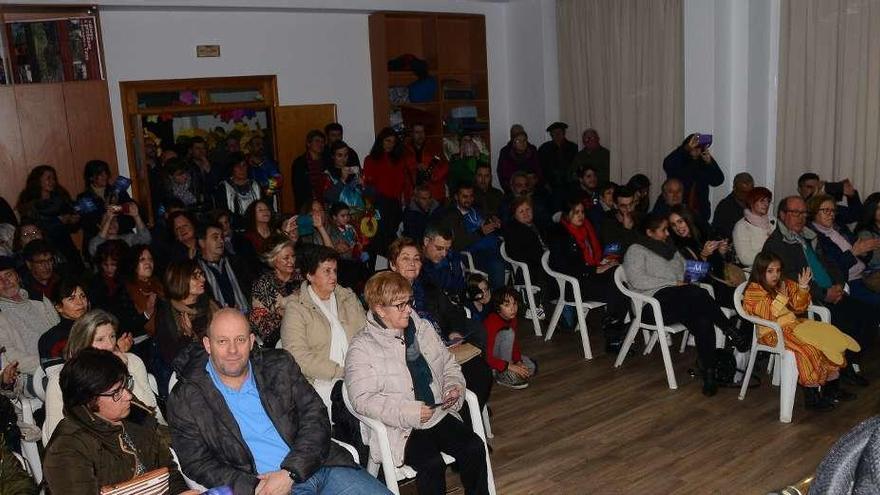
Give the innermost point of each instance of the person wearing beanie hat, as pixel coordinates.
(22, 320)
(555, 157)
(730, 209)
(751, 231)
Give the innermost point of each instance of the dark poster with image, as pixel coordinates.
(54, 50)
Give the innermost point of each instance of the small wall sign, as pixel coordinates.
(207, 51)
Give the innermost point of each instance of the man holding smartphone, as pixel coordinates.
(693, 164)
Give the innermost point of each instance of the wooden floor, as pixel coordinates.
(584, 427)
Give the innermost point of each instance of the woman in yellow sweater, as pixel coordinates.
(818, 347)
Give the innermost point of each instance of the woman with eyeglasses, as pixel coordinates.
(842, 248)
(108, 436)
(445, 314)
(399, 371)
(96, 329)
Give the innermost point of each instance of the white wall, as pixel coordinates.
(731, 52)
(533, 68)
(318, 49)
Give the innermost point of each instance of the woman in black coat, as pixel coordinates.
(575, 251)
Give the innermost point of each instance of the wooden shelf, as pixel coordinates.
(454, 47)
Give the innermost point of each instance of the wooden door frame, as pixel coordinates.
(129, 90)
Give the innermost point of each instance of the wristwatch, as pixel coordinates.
(292, 476)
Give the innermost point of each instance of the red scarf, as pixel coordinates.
(586, 239)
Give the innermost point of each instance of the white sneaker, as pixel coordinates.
(539, 311)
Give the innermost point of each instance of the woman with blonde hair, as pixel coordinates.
(96, 329)
(398, 371)
(270, 291)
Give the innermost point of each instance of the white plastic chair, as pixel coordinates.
(30, 450)
(393, 474)
(782, 362)
(662, 330)
(785, 375)
(192, 485)
(581, 307)
(720, 339)
(467, 264)
(527, 288)
(381, 263)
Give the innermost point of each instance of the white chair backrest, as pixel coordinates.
(507, 258)
(381, 263)
(39, 381)
(621, 282)
(172, 381)
(737, 304)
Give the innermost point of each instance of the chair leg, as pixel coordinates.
(627, 342)
(582, 327)
(745, 380)
(684, 341)
(530, 297)
(667, 359)
(486, 425)
(651, 343)
(777, 372)
(789, 386)
(554, 320)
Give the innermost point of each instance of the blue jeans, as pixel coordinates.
(340, 481)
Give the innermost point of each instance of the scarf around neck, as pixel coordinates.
(762, 221)
(416, 363)
(665, 250)
(586, 239)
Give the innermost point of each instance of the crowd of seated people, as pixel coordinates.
(255, 312)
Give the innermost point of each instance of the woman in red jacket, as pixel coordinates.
(510, 367)
(385, 177)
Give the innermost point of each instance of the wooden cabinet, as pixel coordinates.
(454, 47)
(60, 124)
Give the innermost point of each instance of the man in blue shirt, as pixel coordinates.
(250, 421)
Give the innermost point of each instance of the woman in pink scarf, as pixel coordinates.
(755, 227)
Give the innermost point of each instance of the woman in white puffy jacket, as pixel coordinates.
(398, 371)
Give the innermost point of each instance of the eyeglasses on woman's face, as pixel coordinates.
(116, 394)
(401, 306)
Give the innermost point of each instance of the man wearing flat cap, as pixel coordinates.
(555, 157)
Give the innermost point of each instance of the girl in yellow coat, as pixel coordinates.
(818, 347)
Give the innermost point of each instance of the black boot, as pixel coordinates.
(850, 376)
(741, 339)
(813, 400)
(832, 391)
(612, 328)
(710, 386)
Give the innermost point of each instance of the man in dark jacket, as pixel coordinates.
(251, 421)
(621, 223)
(556, 156)
(418, 213)
(730, 209)
(796, 245)
(594, 155)
(474, 233)
(697, 170)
